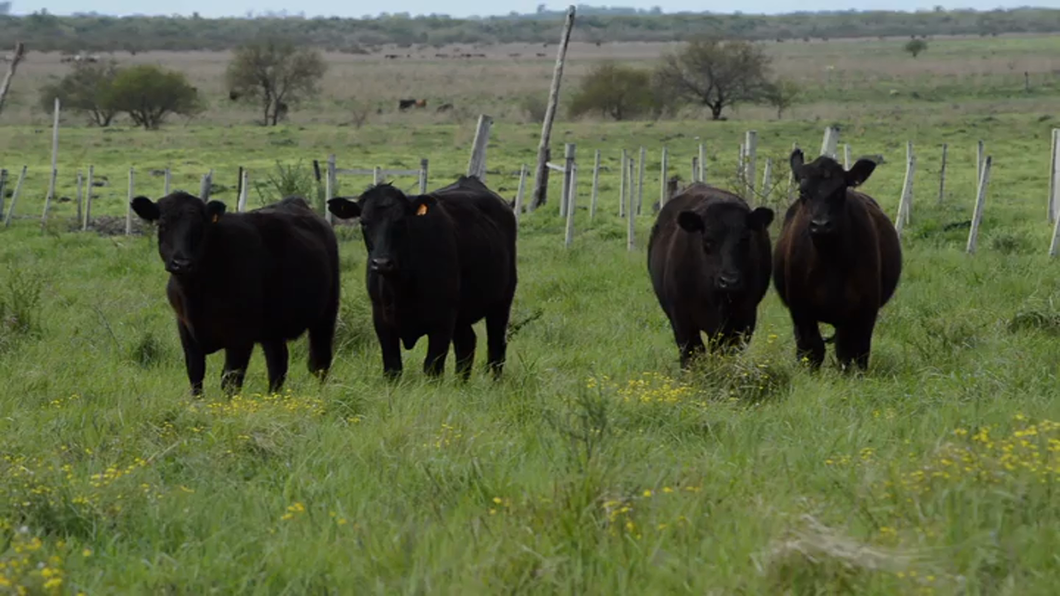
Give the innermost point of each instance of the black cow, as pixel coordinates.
(837, 259)
(709, 261)
(237, 279)
(437, 263)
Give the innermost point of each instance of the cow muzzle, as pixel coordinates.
(383, 266)
(729, 282)
(179, 266)
(821, 227)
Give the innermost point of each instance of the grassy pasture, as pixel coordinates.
(594, 466)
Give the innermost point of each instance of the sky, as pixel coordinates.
(464, 8)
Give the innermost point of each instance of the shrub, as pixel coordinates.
(615, 91)
(148, 94)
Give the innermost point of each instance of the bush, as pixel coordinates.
(616, 91)
(915, 46)
(148, 94)
(782, 94)
(87, 88)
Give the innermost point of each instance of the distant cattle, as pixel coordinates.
(837, 259)
(404, 104)
(437, 264)
(237, 279)
(709, 262)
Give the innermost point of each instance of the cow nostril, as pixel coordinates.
(382, 264)
(822, 226)
(728, 281)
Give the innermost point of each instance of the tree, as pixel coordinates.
(616, 91)
(782, 94)
(275, 74)
(86, 88)
(915, 46)
(717, 74)
(148, 94)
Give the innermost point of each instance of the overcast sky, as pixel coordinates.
(463, 8)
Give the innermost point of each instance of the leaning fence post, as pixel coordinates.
(1053, 168)
(14, 197)
(910, 158)
(88, 197)
(596, 185)
(980, 201)
(906, 199)
(128, 204)
(518, 208)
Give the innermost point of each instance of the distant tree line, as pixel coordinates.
(43, 31)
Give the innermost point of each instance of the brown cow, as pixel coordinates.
(837, 260)
(709, 262)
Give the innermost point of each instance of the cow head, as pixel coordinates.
(727, 232)
(385, 213)
(183, 221)
(823, 187)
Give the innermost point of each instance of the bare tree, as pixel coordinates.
(717, 74)
(275, 74)
(782, 94)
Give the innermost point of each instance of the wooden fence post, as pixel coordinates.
(702, 164)
(241, 206)
(942, 176)
(980, 202)
(663, 173)
(3, 185)
(330, 178)
(596, 185)
(631, 220)
(88, 197)
(570, 177)
(80, 195)
(846, 156)
(476, 166)
(750, 165)
(205, 185)
(640, 179)
(128, 204)
(622, 184)
(541, 172)
(424, 163)
(568, 169)
(905, 202)
(14, 197)
(830, 142)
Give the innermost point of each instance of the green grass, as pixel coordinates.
(594, 466)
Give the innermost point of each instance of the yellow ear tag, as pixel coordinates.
(422, 210)
(216, 217)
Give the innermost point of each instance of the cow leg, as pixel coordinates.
(437, 349)
(321, 337)
(853, 341)
(809, 344)
(194, 359)
(689, 342)
(464, 348)
(236, 361)
(390, 344)
(276, 362)
(497, 338)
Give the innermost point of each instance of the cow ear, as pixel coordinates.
(760, 218)
(797, 159)
(690, 221)
(343, 208)
(422, 204)
(145, 208)
(214, 210)
(860, 172)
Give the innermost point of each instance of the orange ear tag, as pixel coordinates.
(422, 210)
(216, 217)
